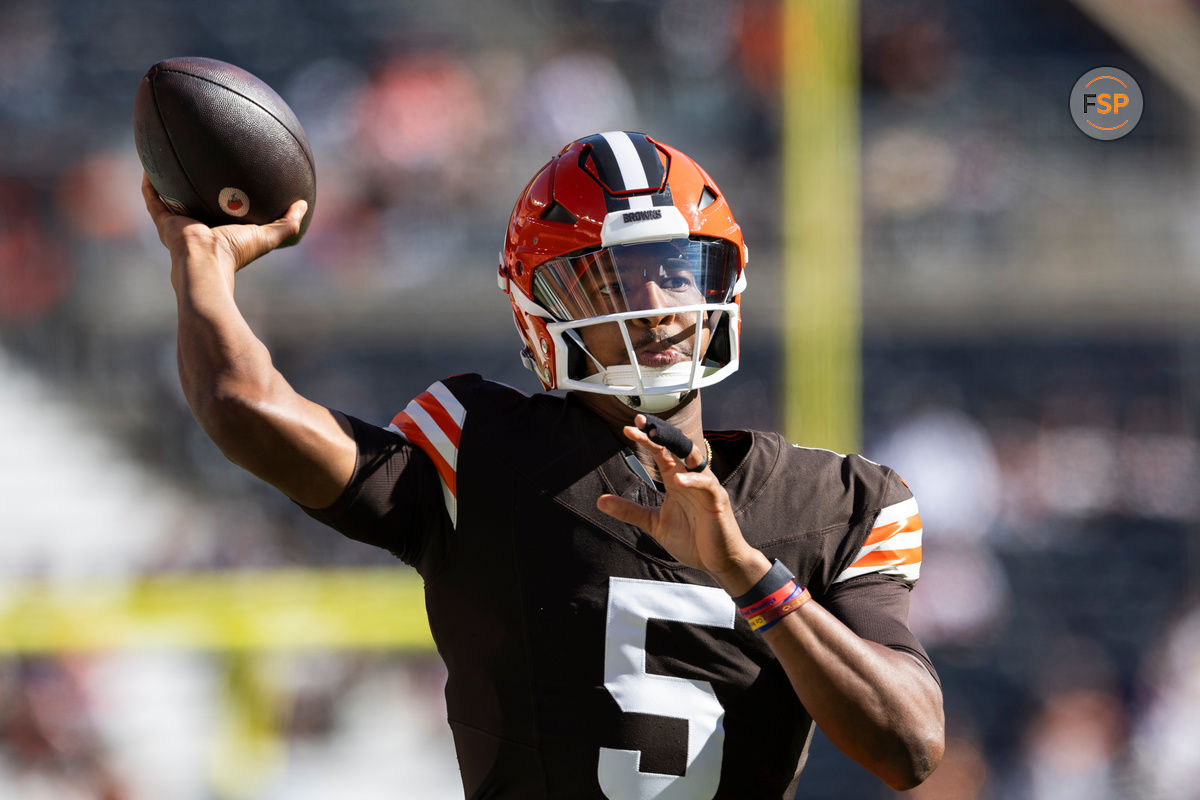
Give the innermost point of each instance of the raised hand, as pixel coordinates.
(234, 246)
(695, 523)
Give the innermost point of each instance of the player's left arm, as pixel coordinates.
(880, 706)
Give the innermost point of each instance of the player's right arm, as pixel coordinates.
(243, 403)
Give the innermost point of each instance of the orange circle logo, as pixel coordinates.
(1106, 103)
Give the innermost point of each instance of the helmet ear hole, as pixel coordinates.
(577, 360)
(720, 349)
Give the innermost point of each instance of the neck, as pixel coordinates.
(616, 415)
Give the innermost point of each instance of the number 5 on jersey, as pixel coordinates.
(631, 604)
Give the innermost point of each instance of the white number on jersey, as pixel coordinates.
(631, 604)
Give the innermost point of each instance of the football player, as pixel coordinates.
(628, 605)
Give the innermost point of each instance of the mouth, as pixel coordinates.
(660, 357)
(662, 348)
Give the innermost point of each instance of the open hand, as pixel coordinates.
(234, 246)
(695, 523)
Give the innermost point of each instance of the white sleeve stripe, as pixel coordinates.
(451, 502)
(895, 515)
(896, 512)
(908, 572)
(447, 496)
(433, 432)
(901, 541)
(448, 401)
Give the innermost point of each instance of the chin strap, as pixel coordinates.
(652, 403)
(651, 378)
(657, 403)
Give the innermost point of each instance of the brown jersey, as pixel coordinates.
(583, 660)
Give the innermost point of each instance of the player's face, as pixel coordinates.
(649, 281)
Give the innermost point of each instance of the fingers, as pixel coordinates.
(154, 203)
(626, 511)
(249, 242)
(666, 446)
(287, 225)
(696, 460)
(270, 236)
(168, 222)
(662, 432)
(148, 194)
(280, 229)
(295, 214)
(241, 244)
(667, 463)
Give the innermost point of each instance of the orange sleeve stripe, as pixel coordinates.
(414, 434)
(887, 531)
(442, 417)
(889, 558)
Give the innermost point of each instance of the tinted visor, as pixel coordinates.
(635, 277)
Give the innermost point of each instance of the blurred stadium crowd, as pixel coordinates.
(1031, 349)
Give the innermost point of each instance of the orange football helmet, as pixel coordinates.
(621, 229)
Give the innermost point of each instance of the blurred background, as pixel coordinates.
(1029, 351)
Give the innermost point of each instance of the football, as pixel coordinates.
(220, 145)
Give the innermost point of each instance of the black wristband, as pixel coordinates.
(775, 579)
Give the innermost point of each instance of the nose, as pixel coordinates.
(650, 296)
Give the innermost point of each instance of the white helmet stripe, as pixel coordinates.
(633, 174)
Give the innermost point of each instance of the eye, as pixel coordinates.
(677, 283)
(610, 289)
